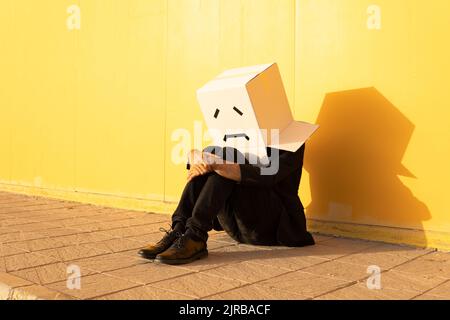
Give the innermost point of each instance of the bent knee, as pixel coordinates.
(216, 178)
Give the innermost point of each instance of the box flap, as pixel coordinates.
(253, 70)
(295, 135)
(233, 78)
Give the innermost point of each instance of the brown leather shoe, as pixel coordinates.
(184, 250)
(152, 250)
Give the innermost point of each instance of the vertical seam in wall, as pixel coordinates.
(10, 110)
(341, 14)
(219, 29)
(295, 60)
(243, 57)
(76, 106)
(165, 73)
(411, 57)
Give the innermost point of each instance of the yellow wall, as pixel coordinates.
(89, 114)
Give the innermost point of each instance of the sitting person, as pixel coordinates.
(251, 207)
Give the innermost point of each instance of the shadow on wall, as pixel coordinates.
(354, 161)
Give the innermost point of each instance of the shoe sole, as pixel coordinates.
(148, 257)
(197, 256)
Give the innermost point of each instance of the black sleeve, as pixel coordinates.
(289, 162)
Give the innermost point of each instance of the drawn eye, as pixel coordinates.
(238, 111)
(216, 114)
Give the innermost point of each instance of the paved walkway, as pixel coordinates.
(45, 244)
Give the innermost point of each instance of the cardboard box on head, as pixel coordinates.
(247, 109)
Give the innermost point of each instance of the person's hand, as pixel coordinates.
(196, 157)
(198, 170)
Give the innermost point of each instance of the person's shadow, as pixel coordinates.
(354, 162)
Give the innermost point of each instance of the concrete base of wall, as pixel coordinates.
(155, 204)
(417, 238)
(411, 237)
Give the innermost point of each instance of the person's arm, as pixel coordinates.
(246, 174)
(197, 170)
(201, 163)
(196, 165)
(224, 168)
(289, 162)
(230, 171)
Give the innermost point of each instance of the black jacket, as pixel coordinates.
(266, 208)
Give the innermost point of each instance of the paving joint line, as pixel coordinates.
(429, 290)
(384, 271)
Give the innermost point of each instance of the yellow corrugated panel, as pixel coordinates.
(43, 87)
(389, 109)
(206, 37)
(121, 98)
(6, 87)
(95, 110)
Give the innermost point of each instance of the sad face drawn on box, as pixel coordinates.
(247, 109)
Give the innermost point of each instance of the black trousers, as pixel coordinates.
(203, 199)
(248, 214)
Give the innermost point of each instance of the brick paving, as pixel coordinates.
(42, 240)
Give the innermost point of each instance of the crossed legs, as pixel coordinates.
(202, 200)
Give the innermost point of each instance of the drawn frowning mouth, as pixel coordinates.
(235, 136)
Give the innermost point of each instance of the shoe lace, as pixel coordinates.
(167, 232)
(179, 243)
